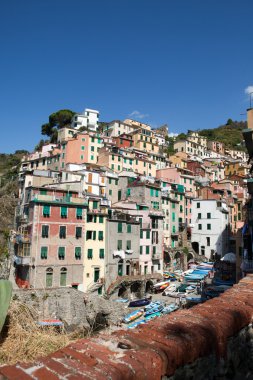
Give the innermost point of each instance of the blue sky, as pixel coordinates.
(186, 63)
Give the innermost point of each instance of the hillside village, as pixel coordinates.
(106, 204)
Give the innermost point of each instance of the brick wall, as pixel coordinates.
(208, 341)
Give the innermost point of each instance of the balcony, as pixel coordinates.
(60, 200)
(156, 256)
(97, 211)
(118, 253)
(105, 202)
(22, 260)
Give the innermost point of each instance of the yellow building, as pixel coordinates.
(95, 247)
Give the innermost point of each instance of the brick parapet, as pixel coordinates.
(153, 350)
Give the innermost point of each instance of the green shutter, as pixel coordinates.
(148, 234)
(63, 278)
(78, 253)
(119, 227)
(129, 228)
(100, 235)
(94, 235)
(43, 252)
(78, 232)
(79, 213)
(90, 253)
(46, 210)
(141, 234)
(147, 250)
(95, 205)
(64, 212)
(101, 253)
(61, 253)
(128, 245)
(101, 219)
(49, 279)
(119, 247)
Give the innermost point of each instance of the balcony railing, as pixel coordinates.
(55, 199)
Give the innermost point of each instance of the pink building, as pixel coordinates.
(49, 249)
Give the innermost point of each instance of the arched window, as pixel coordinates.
(49, 277)
(63, 277)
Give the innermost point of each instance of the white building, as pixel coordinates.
(89, 119)
(209, 227)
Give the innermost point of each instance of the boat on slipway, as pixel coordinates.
(133, 316)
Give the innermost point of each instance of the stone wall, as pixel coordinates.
(76, 309)
(209, 341)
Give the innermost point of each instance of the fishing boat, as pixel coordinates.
(136, 323)
(152, 316)
(155, 309)
(133, 316)
(50, 322)
(152, 305)
(195, 299)
(140, 302)
(170, 308)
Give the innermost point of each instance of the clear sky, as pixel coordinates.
(186, 63)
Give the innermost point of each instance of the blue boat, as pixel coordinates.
(152, 316)
(155, 309)
(140, 303)
(137, 323)
(170, 308)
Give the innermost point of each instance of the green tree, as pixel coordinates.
(57, 120)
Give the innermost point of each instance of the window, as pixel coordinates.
(173, 205)
(141, 234)
(208, 241)
(62, 232)
(90, 253)
(101, 219)
(100, 235)
(128, 244)
(78, 232)
(63, 277)
(113, 157)
(43, 253)
(92, 148)
(209, 226)
(43, 192)
(128, 192)
(119, 246)
(82, 147)
(64, 212)
(199, 226)
(101, 253)
(173, 217)
(78, 253)
(119, 227)
(181, 208)
(120, 269)
(46, 211)
(157, 193)
(199, 215)
(79, 213)
(154, 250)
(110, 192)
(141, 250)
(198, 204)
(88, 235)
(94, 235)
(95, 205)
(44, 232)
(61, 253)
(49, 277)
(208, 215)
(147, 234)
(151, 192)
(147, 250)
